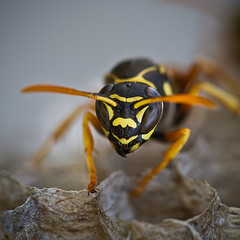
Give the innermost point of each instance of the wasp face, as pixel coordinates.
(126, 127)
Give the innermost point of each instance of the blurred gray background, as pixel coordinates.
(74, 43)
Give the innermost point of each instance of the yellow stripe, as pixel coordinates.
(146, 70)
(123, 99)
(148, 135)
(105, 132)
(162, 69)
(167, 88)
(123, 122)
(105, 99)
(110, 111)
(125, 141)
(138, 78)
(139, 115)
(135, 147)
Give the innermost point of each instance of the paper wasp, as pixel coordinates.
(135, 104)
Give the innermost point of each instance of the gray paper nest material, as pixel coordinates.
(52, 213)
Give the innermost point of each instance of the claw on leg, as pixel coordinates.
(89, 147)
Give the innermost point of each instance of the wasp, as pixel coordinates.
(141, 99)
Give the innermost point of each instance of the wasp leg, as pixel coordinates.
(188, 82)
(58, 132)
(179, 137)
(208, 68)
(231, 102)
(89, 147)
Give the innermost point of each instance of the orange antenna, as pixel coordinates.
(179, 98)
(70, 91)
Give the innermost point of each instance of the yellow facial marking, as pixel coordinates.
(123, 99)
(167, 88)
(148, 135)
(135, 147)
(105, 99)
(139, 116)
(124, 122)
(125, 141)
(110, 111)
(105, 132)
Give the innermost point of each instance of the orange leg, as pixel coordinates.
(179, 137)
(89, 147)
(188, 82)
(228, 100)
(208, 68)
(58, 133)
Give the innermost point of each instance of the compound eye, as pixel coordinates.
(101, 109)
(102, 115)
(106, 89)
(151, 117)
(151, 92)
(153, 113)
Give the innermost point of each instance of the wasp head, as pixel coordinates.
(128, 127)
